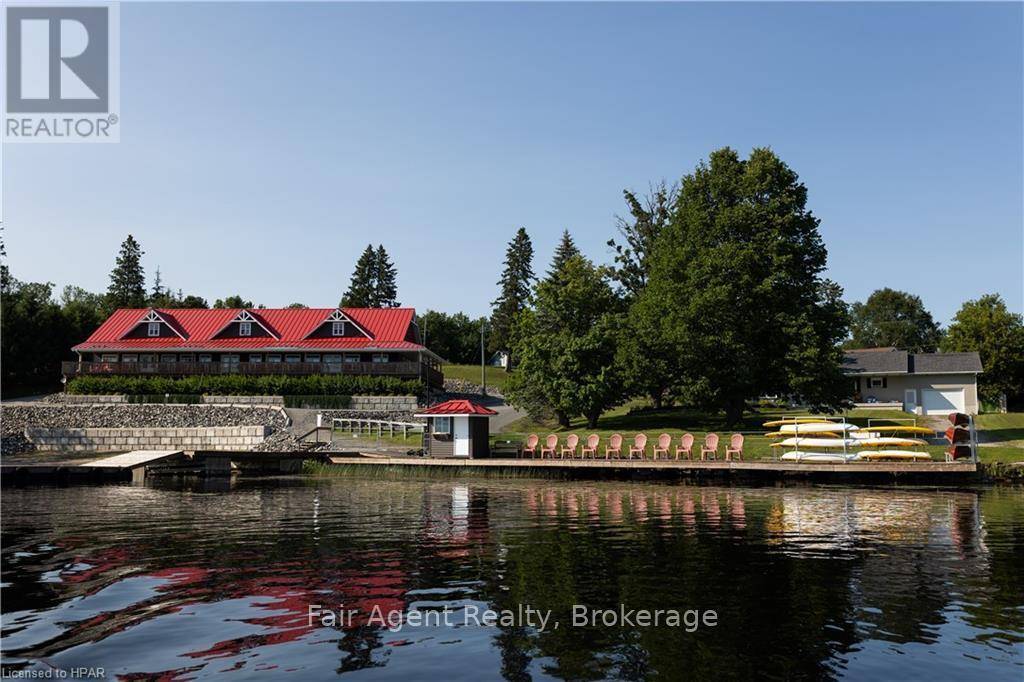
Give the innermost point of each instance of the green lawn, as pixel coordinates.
(496, 376)
(676, 421)
(1004, 429)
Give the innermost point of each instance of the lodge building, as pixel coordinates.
(188, 341)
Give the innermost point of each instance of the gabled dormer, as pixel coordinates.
(338, 325)
(244, 325)
(154, 325)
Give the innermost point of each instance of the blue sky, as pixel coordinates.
(263, 146)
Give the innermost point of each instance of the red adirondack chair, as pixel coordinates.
(639, 446)
(735, 447)
(685, 446)
(664, 441)
(710, 447)
(614, 446)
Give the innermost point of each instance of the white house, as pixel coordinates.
(924, 383)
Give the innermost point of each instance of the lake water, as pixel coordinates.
(188, 581)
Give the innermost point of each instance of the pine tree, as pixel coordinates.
(516, 282)
(360, 292)
(385, 284)
(127, 280)
(565, 250)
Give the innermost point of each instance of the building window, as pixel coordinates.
(108, 357)
(168, 357)
(380, 357)
(338, 328)
(876, 382)
(255, 358)
(147, 358)
(443, 425)
(332, 359)
(153, 329)
(205, 357)
(129, 357)
(245, 328)
(229, 359)
(293, 358)
(273, 358)
(185, 357)
(313, 357)
(353, 358)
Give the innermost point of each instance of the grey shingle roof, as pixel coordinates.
(893, 361)
(934, 363)
(876, 361)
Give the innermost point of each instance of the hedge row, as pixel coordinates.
(238, 384)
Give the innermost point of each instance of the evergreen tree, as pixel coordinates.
(385, 284)
(565, 250)
(516, 282)
(360, 292)
(566, 346)
(127, 280)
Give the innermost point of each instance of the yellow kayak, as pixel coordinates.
(897, 429)
(783, 434)
(798, 420)
(848, 442)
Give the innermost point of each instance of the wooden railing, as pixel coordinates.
(411, 370)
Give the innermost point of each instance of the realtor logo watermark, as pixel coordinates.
(62, 73)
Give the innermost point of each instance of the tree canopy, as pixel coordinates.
(648, 217)
(894, 318)
(987, 326)
(234, 301)
(735, 292)
(456, 338)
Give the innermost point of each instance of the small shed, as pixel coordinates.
(457, 428)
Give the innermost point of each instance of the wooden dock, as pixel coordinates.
(683, 468)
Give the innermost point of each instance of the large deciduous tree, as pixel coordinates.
(127, 280)
(736, 294)
(234, 301)
(456, 338)
(648, 217)
(566, 345)
(516, 284)
(987, 326)
(894, 318)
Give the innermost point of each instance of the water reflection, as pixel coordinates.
(190, 580)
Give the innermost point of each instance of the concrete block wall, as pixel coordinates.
(72, 399)
(109, 440)
(384, 403)
(243, 400)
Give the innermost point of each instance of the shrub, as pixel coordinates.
(238, 384)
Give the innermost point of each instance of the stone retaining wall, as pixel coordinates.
(109, 440)
(384, 403)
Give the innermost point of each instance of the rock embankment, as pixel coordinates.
(15, 418)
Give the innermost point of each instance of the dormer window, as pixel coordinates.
(153, 329)
(245, 328)
(338, 328)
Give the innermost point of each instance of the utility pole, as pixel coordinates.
(483, 365)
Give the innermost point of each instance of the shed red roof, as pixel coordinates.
(457, 407)
(388, 329)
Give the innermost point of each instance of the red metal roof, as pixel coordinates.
(388, 329)
(457, 407)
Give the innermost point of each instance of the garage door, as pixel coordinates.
(942, 402)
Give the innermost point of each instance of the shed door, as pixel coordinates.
(942, 401)
(461, 436)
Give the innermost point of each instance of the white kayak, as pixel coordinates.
(875, 455)
(848, 442)
(830, 457)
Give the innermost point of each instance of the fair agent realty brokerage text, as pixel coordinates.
(524, 615)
